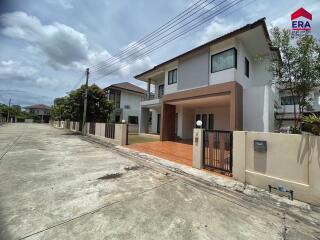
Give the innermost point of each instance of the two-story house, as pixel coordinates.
(224, 82)
(126, 98)
(41, 111)
(285, 110)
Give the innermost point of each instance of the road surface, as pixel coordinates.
(55, 185)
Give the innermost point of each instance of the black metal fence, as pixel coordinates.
(217, 150)
(92, 128)
(109, 130)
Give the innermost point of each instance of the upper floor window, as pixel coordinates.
(224, 60)
(172, 76)
(160, 91)
(115, 96)
(246, 67)
(289, 100)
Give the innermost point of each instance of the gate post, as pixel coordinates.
(197, 160)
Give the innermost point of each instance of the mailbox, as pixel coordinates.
(260, 146)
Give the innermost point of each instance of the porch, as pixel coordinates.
(175, 151)
(219, 107)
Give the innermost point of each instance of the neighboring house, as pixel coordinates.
(41, 111)
(127, 98)
(285, 110)
(224, 82)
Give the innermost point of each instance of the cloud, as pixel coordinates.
(217, 28)
(66, 48)
(14, 71)
(66, 4)
(122, 66)
(62, 45)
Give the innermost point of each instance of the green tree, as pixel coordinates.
(298, 69)
(71, 106)
(58, 111)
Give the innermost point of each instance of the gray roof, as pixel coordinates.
(128, 86)
(38, 106)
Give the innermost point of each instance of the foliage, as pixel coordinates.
(313, 122)
(14, 111)
(71, 106)
(298, 70)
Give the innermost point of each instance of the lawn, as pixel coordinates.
(136, 138)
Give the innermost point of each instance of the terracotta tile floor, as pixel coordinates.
(179, 152)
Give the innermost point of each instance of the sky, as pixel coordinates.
(46, 45)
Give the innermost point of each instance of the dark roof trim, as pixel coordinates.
(120, 88)
(128, 87)
(260, 22)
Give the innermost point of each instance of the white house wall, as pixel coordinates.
(187, 123)
(221, 116)
(133, 100)
(194, 71)
(240, 76)
(258, 109)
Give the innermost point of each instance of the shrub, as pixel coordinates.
(313, 122)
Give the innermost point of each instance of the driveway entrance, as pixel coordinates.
(175, 151)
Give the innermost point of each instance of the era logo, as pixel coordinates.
(301, 22)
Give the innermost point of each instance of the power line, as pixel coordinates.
(194, 26)
(139, 42)
(79, 81)
(178, 28)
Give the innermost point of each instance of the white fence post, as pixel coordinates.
(121, 134)
(197, 160)
(239, 156)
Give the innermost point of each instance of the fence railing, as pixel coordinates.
(109, 130)
(112, 132)
(217, 150)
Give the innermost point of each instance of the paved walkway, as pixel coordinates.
(179, 152)
(54, 185)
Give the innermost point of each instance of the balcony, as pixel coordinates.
(151, 102)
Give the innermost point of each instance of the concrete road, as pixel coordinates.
(54, 185)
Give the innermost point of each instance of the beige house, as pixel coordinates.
(40, 110)
(224, 82)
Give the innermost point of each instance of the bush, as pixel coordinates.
(313, 123)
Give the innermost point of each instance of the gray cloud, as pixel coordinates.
(62, 45)
(66, 4)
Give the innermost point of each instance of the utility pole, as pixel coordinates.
(84, 130)
(8, 115)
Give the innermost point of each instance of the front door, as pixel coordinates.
(158, 122)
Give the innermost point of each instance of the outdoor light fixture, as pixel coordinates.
(199, 123)
(123, 121)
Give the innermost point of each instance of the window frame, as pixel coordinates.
(235, 62)
(176, 80)
(285, 102)
(246, 67)
(136, 119)
(160, 90)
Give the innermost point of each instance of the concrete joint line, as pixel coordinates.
(97, 210)
(284, 226)
(11, 146)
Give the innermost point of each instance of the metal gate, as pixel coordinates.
(217, 150)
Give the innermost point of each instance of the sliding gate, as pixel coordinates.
(217, 150)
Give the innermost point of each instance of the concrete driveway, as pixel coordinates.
(54, 185)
